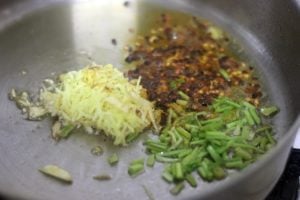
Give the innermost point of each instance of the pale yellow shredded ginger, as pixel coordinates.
(100, 97)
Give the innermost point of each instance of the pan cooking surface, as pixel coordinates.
(53, 39)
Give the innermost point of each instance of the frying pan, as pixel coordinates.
(40, 39)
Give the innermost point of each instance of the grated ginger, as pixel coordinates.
(100, 97)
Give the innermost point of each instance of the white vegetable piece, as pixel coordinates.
(57, 172)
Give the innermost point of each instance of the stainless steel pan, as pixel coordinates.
(39, 39)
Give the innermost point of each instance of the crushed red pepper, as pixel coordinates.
(188, 58)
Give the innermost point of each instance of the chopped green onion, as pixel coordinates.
(191, 180)
(249, 117)
(219, 172)
(198, 142)
(264, 128)
(183, 133)
(66, 131)
(243, 154)
(184, 153)
(209, 121)
(177, 188)
(113, 159)
(205, 173)
(213, 154)
(178, 171)
(137, 161)
(234, 123)
(269, 111)
(135, 169)
(224, 74)
(182, 102)
(270, 138)
(216, 135)
(167, 176)
(229, 135)
(131, 137)
(248, 105)
(173, 153)
(232, 103)
(237, 164)
(156, 146)
(163, 159)
(183, 95)
(151, 160)
(254, 116)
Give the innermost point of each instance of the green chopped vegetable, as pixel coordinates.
(218, 172)
(230, 134)
(178, 171)
(182, 102)
(135, 169)
(66, 131)
(237, 164)
(224, 74)
(254, 116)
(113, 159)
(213, 154)
(151, 160)
(131, 137)
(167, 176)
(191, 180)
(183, 95)
(177, 189)
(138, 161)
(163, 159)
(243, 154)
(183, 133)
(269, 111)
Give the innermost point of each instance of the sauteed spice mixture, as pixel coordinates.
(190, 58)
(210, 100)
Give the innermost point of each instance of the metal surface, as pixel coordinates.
(46, 37)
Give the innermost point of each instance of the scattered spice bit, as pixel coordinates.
(102, 177)
(97, 150)
(126, 3)
(57, 172)
(114, 41)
